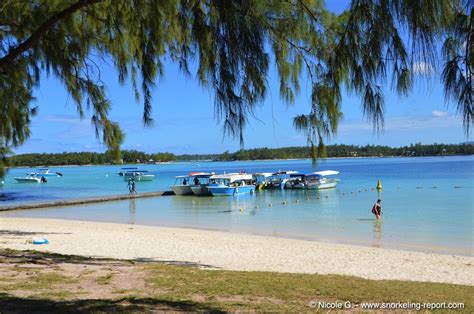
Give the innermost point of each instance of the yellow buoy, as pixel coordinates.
(241, 209)
(379, 185)
(284, 202)
(270, 205)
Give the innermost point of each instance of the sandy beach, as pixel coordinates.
(221, 250)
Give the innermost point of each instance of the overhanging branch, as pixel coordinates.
(14, 53)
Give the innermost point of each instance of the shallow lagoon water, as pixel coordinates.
(427, 202)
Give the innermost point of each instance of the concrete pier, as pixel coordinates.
(84, 201)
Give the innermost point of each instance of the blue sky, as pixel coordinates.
(184, 120)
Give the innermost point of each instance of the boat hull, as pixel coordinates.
(200, 190)
(322, 186)
(52, 174)
(27, 180)
(146, 177)
(182, 189)
(229, 191)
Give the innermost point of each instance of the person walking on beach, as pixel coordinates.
(377, 209)
(131, 186)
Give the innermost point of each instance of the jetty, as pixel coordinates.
(100, 199)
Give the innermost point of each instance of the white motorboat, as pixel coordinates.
(44, 172)
(319, 181)
(138, 176)
(29, 179)
(126, 169)
(278, 179)
(184, 185)
(313, 181)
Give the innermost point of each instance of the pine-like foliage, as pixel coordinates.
(227, 46)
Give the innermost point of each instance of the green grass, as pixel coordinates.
(184, 288)
(38, 282)
(291, 292)
(104, 280)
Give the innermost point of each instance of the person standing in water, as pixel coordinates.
(377, 209)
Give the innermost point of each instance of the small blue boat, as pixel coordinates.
(231, 184)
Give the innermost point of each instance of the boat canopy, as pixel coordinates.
(232, 176)
(129, 168)
(290, 172)
(297, 174)
(200, 174)
(327, 173)
(196, 174)
(263, 174)
(181, 177)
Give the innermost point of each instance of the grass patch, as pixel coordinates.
(160, 287)
(291, 292)
(39, 282)
(104, 280)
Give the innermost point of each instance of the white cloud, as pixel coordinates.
(438, 120)
(439, 113)
(422, 68)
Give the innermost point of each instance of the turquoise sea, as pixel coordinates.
(427, 202)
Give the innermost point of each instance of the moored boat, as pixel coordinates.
(44, 172)
(231, 184)
(139, 177)
(319, 181)
(262, 179)
(313, 181)
(126, 169)
(29, 179)
(184, 185)
(296, 181)
(279, 179)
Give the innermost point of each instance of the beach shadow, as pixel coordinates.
(35, 257)
(175, 263)
(25, 233)
(45, 258)
(13, 304)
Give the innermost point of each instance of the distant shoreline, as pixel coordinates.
(212, 161)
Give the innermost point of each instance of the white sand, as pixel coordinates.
(233, 251)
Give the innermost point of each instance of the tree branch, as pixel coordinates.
(9, 59)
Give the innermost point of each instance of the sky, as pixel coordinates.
(185, 123)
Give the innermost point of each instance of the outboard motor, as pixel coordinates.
(59, 174)
(43, 180)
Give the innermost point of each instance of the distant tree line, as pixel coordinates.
(87, 158)
(338, 151)
(133, 156)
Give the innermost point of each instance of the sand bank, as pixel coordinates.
(232, 251)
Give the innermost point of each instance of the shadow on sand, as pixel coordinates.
(35, 257)
(12, 304)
